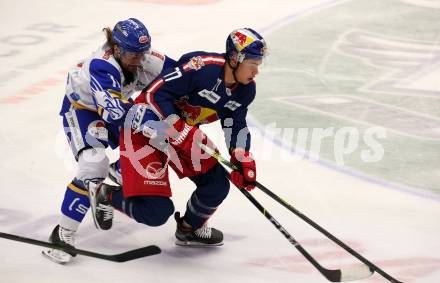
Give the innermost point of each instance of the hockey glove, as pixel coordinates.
(142, 120)
(244, 177)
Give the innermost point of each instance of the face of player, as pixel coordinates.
(247, 70)
(130, 61)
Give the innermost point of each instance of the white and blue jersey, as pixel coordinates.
(98, 95)
(196, 91)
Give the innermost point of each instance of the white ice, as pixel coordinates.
(396, 229)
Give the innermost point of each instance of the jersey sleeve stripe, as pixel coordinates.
(186, 68)
(79, 106)
(207, 60)
(218, 60)
(96, 86)
(149, 97)
(77, 190)
(117, 95)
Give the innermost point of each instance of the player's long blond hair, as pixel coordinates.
(108, 35)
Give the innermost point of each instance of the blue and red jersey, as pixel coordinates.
(195, 90)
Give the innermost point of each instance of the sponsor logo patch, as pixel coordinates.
(98, 130)
(155, 183)
(155, 171)
(158, 55)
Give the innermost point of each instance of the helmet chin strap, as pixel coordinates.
(233, 69)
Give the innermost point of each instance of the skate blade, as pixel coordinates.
(196, 244)
(57, 256)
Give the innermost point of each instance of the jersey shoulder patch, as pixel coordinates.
(195, 63)
(198, 62)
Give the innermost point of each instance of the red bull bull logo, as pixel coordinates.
(196, 114)
(196, 63)
(241, 40)
(189, 111)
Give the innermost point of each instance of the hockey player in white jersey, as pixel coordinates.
(95, 106)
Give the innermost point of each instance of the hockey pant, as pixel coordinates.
(146, 187)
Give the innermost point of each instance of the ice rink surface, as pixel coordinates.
(326, 59)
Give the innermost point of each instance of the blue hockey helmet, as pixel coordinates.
(246, 43)
(131, 35)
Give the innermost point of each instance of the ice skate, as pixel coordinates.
(100, 202)
(201, 237)
(64, 238)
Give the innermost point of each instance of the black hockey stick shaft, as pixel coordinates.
(122, 257)
(371, 265)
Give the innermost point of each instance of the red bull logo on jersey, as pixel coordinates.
(196, 114)
(196, 63)
(241, 40)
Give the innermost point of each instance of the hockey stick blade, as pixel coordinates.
(138, 253)
(333, 275)
(346, 275)
(122, 257)
(356, 273)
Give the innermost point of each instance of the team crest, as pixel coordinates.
(241, 40)
(143, 39)
(196, 63)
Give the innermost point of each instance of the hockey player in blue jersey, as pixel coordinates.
(96, 104)
(203, 88)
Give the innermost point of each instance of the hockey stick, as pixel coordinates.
(354, 274)
(122, 257)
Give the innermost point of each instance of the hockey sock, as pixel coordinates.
(76, 201)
